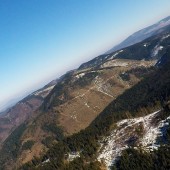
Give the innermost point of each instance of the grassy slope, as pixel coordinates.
(149, 93)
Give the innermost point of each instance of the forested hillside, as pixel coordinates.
(150, 94)
(85, 106)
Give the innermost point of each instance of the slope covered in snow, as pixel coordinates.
(44, 92)
(142, 131)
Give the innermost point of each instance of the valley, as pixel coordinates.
(84, 103)
(89, 117)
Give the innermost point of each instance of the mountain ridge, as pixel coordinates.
(142, 34)
(89, 89)
(86, 142)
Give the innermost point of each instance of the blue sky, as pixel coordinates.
(42, 39)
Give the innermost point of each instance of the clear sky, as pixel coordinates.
(42, 39)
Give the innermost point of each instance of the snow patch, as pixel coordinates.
(80, 75)
(128, 129)
(156, 50)
(145, 45)
(86, 104)
(73, 155)
(46, 161)
(115, 54)
(149, 139)
(114, 63)
(47, 90)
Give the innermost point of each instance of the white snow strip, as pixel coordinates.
(46, 161)
(156, 50)
(45, 90)
(115, 54)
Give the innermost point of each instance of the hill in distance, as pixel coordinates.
(66, 122)
(143, 34)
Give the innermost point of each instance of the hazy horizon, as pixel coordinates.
(41, 41)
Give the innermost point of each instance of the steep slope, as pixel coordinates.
(143, 34)
(149, 49)
(77, 100)
(164, 59)
(81, 95)
(149, 95)
(17, 114)
(144, 132)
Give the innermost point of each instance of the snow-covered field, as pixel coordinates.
(115, 63)
(142, 129)
(44, 92)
